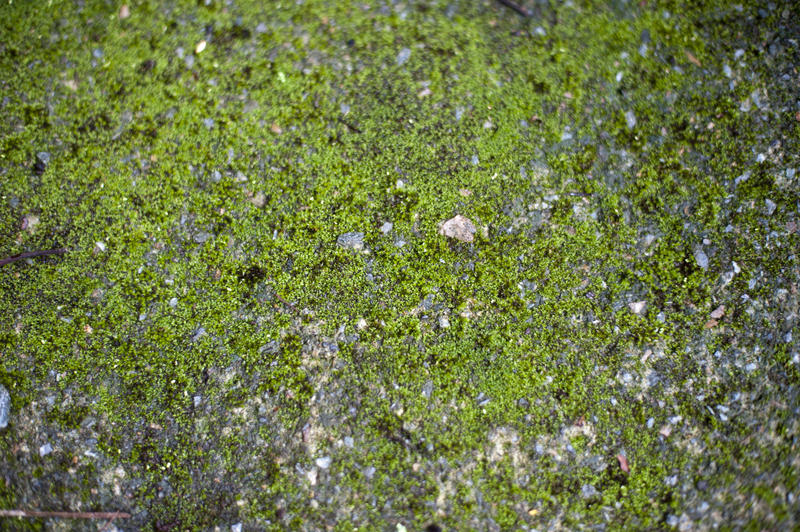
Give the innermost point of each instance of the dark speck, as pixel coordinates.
(146, 66)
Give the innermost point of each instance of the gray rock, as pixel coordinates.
(588, 491)
(324, 462)
(5, 406)
(701, 258)
(386, 227)
(403, 56)
(353, 240)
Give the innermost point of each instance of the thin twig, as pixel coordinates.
(30, 254)
(68, 515)
(516, 7)
(288, 305)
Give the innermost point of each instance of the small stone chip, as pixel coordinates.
(45, 449)
(701, 258)
(259, 199)
(459, 227)
(5, 406)
(718, 312)
(29, 222)
(637, 307)
(353, 240)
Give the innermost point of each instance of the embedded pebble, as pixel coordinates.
(403, 56)
(637, 307)
(45, 449)
(5, 406)
(630, 119)
(701, 258)
(29, 221)
(386, 227)
(459, 227)
(353, 240)
(588, 491)
(324, 462)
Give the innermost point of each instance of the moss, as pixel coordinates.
(238, 221)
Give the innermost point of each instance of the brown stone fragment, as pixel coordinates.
(459, 227)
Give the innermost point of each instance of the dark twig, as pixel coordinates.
(516, 7)
(30, 254)
(286, 303)
(68, 515)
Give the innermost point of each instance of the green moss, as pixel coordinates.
(537, 305)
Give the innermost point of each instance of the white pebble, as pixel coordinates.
(637, 307)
